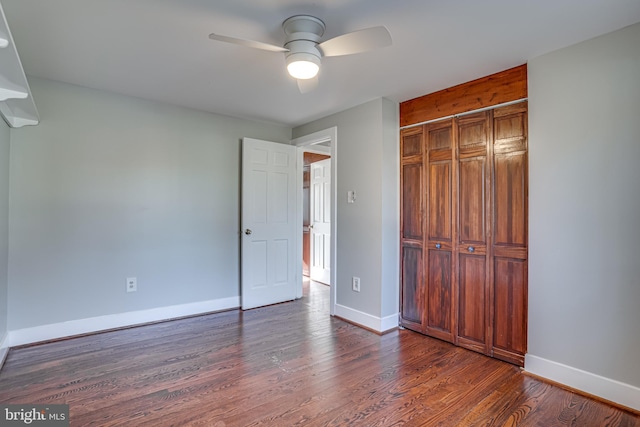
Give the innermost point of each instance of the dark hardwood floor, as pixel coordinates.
(285, 365)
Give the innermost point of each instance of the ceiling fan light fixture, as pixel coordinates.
(303, 65)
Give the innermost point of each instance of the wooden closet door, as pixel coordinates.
(412, 298)
(510, 233)
(440, 309)
(464, 231)
(473, 222)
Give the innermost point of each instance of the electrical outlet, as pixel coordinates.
(132, 284)
(355, 284)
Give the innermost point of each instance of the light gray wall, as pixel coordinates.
(366, 134)
(4, 224)
(584, 267)
(390, 170)
(108, 187)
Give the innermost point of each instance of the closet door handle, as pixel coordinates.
(438, 245)
(471, 249)
(247, 231)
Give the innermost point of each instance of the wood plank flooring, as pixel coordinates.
(285, 365)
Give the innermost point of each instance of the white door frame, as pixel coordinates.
(309, 143)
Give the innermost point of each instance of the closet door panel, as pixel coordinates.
(510, 128)
(440, 201)
(440, 136)
(440, 186)
(412, 144)
(412, 203)
(509, 285)
(510, 199)
(472, 208)
(413, 289)
(472, 301)
(413, 302)
(439, 313)
(439, 318)
(474, 135)
(510, 303)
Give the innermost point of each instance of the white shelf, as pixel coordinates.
(16, 103)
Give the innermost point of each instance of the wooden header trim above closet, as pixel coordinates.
(505, 86)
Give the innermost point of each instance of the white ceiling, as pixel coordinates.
(160, 50)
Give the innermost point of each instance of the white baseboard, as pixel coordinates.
(101, 323)
(606, 388)
(390, 322)
(368, 321)
(4, 341)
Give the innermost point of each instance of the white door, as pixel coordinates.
(320, 221)
(268, 223)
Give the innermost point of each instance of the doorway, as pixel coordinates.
(316, 220)
(322, 143)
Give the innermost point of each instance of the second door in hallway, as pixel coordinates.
(320, 221)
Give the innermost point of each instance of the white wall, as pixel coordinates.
(4, 224)
(584, 198)
(367, 231)
(108, 187)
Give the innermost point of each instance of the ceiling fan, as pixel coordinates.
(303, 49)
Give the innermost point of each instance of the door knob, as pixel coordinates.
(310, 225)
(471, 249)
(247, 231)
(438, 245)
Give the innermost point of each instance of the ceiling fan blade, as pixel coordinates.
(248, 43)
(307, 85)
(356, 42)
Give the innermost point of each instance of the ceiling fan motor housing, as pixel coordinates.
(303, 33)
(303, 24)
